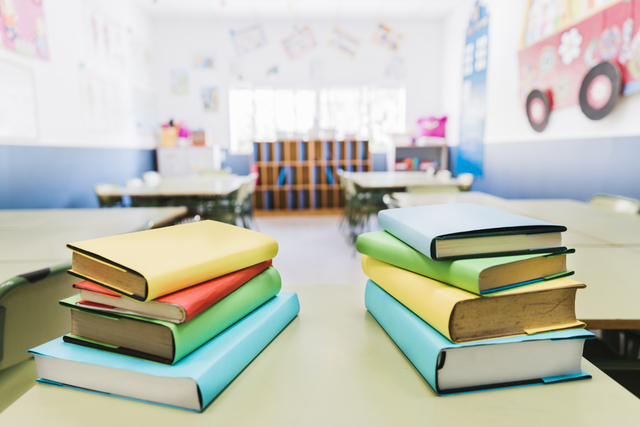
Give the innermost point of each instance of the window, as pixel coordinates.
(268, 114)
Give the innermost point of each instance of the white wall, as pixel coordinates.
(177, 41)
(506, 120)
(60, 82)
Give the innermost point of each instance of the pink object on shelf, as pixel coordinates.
(431, 126)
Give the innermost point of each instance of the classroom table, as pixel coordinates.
(206, 185)
(205, 196)
(33, 264)
(335, 366)
(391, 180)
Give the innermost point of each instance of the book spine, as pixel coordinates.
(419, 342)
(244, 341)
(192, 334)
(384, 247)
(265, 152)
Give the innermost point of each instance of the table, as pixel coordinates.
(217, 185)
(606, 258)
(35, 240)
(335, 366)
(207, 196)
(396, 180)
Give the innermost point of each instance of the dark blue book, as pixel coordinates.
(329, 175)
(282, 175)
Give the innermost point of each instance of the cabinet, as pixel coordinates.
(436, 156)
(183, 161)
(302, 175)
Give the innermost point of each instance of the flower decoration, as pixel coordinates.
(570, 46)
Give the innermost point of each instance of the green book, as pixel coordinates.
(478, 275)
(162, 341)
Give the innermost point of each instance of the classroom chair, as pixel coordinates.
(29, 316)
(615, 203)
(105, 199)
(244, 202)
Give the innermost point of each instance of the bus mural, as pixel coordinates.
(584, 52)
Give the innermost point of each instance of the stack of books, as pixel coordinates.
(169, 316)
(476, 298)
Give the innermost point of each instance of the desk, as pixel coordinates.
(218, 185)
(335, 366)
(34, 240)
(608, 227)
(209, 197)
(398, 180)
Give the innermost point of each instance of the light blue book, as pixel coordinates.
(190, 384)
(478, 365)
(464, 230)
(282, 175)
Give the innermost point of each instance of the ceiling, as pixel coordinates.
(300, 9)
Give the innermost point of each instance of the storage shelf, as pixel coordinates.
(303, 175)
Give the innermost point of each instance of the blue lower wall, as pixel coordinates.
(61, 177)
(574, 169)
(64, 177)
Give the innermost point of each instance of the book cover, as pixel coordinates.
(467, 274)
(186, 337)
(282, 175)
(178, 307)
(430, 352)
(462, 316)
(190, 384)
(172, 258)
(429, 229)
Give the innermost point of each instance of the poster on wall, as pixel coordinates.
(384, 36)
(344, 42)
(248, 39)
(18, 120)
(22, 28)
(144, 109)
(204, 61)
(103, 38)
(474, 71)
(179, 82)
(299, 42)
(209, 98)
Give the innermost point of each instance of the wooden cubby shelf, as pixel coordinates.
(303, 175)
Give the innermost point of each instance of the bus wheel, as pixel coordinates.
(538, 109)
(600, 90)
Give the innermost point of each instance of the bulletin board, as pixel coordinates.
(18, 117)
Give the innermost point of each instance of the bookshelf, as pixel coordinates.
(434, 155)
(302, 175)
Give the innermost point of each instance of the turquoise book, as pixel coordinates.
(480, 276)
(190, 384)
(464, 230)
(478, 365)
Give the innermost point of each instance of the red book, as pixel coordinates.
(177, 307)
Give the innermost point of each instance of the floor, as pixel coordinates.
(313, 250)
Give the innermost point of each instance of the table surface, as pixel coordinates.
(217, 185)
(334, 365)
(36, 238)
(605, 259)
(394, 179)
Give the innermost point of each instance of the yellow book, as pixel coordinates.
(149, 264)
(462, 316)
